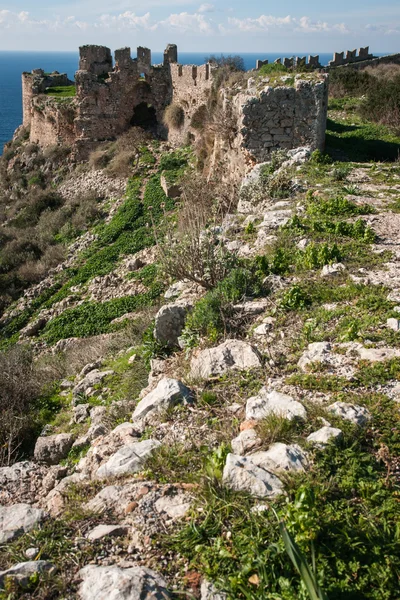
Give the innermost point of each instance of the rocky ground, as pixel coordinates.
(183, 433)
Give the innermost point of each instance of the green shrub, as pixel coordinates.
(173, 160)
(295, 298)
(336, 206)
(199, 118)
(62, 91)
(271, 69)
(212, 315)
(91, 318)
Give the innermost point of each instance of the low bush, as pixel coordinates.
(379, 89)
(271, 69)
(214, 315)
(199, 118)
(25, 403)
(174, 116)
(192, 249)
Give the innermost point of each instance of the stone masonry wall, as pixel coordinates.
(271, 118)
(36, 83)
(110, 98)
(191, 86)
(51, 122)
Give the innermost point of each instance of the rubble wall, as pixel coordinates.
(282, 117)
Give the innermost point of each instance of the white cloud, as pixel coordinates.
(126, 20)
(306, 25)
(195, 23)
(393, 29)
(205, 8)
(261, 23)
(269, 22)
(185, 22)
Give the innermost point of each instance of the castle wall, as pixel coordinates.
(254, 120)
(191, 86)
(52, 122)
(373, 62)
(35, 83)
(282, 117)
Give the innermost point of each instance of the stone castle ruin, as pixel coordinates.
(111, 98)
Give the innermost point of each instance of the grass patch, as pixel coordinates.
(61, 91)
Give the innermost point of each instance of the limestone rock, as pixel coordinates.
(358, 415)
(21, 572)
(18, 519)
(98, 414)
(317, 352)
(128, 459)
(323, 436)
(231, 354)
(266, 403)
(31, 553)
(377, 354)
(136, 583)
(242, 475)
(175, 507)
(169, 323)
(53, 448)
(332, 270)
(393, 324)
(208, 591)
(281, 457)
(92, 378)
(168, 393)
(81, 413)
(102, 531)
(246, 440)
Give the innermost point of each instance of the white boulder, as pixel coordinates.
(358, 415)
(230, 355)
(168, 393)
(266, 403)
(128, 459)
(114, 583)
(323, 436)
(18, 519)
(242, 475)
(281, 457)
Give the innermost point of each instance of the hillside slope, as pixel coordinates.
(200, 391)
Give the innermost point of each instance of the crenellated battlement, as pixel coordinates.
(294, 61)
(116, 93)
(350, 56)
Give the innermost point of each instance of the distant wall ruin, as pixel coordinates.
(111, 98)
(357, 59)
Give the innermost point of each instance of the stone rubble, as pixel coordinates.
(18, 519)
(136, 583)
(242, 475)
(230, 355)
(273, 402)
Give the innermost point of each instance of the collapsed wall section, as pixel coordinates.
(282, 116)
(191, 87)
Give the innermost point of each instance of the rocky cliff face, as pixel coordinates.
(188, 371)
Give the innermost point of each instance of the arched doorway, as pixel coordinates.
(144, 116)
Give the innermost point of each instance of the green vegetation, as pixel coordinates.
(61, 91)
(364, 114)
(271, 69)
(340, 516)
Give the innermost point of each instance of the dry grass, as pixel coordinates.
(174, 116)
(192, 249)
(120, 158)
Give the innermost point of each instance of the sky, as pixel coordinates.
(221, 26)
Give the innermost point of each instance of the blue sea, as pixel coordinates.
(12, 64)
